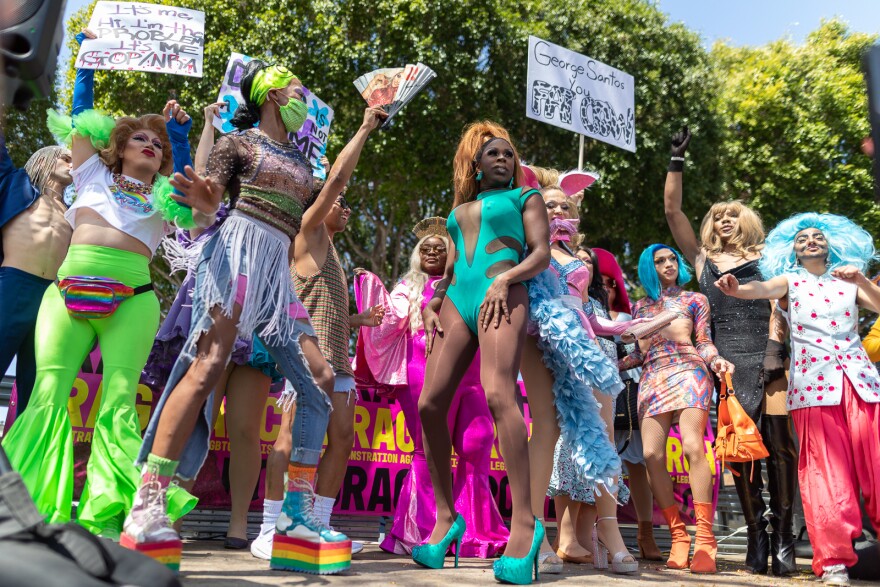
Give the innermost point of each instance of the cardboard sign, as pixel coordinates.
(580, 94)
(311, 139)
(134, 36)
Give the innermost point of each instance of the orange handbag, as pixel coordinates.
(738, 439)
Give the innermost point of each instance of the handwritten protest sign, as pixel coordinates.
(134, 36)
(311, 139)
(580, 94)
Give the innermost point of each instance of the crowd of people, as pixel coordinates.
(505, 288)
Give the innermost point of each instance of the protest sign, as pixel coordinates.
(311, 139)
(580, 94)
(134, 36)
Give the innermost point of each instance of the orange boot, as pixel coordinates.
(705, 547)
(681, 541)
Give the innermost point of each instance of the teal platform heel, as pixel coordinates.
(518, 571)
(432, 556)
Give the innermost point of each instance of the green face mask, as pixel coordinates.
(293, 114)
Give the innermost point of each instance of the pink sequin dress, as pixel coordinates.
(392, 356)
(675, 375)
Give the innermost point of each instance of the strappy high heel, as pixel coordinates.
(600, 555)
(433, 556)
(518, 571)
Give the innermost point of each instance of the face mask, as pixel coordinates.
(562, 229)
(293, 114)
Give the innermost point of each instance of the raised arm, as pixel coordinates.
(81, 147)
(868, 295)
(681, 228)
(177, 124)
(343, 167)
(206, 139)
(772, 289)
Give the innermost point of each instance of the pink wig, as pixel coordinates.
(609, 268)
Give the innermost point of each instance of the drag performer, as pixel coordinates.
(35, 240)
(393, 355)
(121, 212)
(676, 385)
(245, 383)
(242, 288)
(484, 305)
(814, 264)
(568, 489)
(731, 239)
(321, 284)
(629, 442)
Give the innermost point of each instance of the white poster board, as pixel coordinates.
(311, 139)
(580, 94)
(135, 36)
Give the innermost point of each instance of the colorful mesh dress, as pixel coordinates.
(675, 375)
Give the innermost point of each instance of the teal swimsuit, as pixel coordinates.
(495, 243)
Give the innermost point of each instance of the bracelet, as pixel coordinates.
(677, 158)
(676, 164)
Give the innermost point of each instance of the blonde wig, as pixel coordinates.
(748, 238)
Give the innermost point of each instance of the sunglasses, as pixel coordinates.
(437, 250)
(342, 203)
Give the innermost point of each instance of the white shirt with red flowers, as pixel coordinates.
(825, 344)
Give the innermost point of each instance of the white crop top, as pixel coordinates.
(131, 213)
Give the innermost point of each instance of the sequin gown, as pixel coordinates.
(740, 329)
(675, 375)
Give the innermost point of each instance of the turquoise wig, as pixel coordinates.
(648, 273)
(848, 243)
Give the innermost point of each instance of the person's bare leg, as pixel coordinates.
(452, 354)
(606, 504)
(643, 502)
(500, 355)
(693, 425)
(188, 484)
(545, 428)
(276, 462)
(655, 431)
(184, 404)
(567, 517)
(246, 392)
(340, 439)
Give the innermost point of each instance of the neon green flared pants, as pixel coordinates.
(40, 443)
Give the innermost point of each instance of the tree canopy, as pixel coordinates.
(778, 126)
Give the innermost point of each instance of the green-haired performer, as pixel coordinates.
(121, 212)
(242, 288)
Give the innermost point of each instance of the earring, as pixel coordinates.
(479, 175)
(510, 185)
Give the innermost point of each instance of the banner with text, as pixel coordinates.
(379, 461)
(144, 37)
(580, 94)
(311, 139)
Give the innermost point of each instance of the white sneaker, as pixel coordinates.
(356, 546)
(148, 519)
(261, 546)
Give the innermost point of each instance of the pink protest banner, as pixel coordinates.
(379, 460)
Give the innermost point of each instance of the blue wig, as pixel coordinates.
(648, 273)
(848, 243)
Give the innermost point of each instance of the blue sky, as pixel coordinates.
(756, 22)
(745, 22)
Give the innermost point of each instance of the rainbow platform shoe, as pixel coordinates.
(165, 553)
(302, 543)
(306, 556)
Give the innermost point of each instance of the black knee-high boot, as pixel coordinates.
(749, 486)
(782, 482)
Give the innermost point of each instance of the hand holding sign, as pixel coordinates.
(134, 36)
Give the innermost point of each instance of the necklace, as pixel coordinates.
(128, 185)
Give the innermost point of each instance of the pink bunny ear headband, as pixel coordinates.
(571, 182)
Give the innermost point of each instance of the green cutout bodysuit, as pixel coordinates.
(490, 233)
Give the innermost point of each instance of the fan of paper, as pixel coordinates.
(392, 88)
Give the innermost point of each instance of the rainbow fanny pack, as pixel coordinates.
(96, 297)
